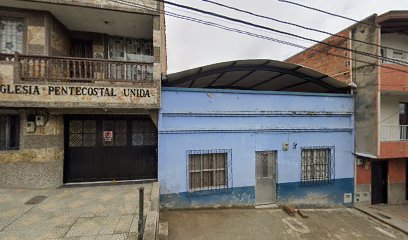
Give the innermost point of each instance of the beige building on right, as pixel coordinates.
(381, 99)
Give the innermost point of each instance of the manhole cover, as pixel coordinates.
(383, 216)
(35, 200)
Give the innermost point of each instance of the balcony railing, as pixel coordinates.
(394, 132)
(44, 68)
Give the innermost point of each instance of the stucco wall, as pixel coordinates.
(246, 123)
(365, 75)
(394, 40)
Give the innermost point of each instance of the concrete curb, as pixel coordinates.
(151, 228)
(380, 219)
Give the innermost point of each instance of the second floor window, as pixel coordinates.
(11, 35)
(130, 49)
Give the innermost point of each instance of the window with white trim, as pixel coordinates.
(317, 165)
(9, 132)
(209, 170)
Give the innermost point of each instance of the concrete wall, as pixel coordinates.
(246, 122)
(394, 40)
(397, 181)
(39, 161)
(365, 75)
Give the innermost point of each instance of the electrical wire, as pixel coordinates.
(329, 13)
(298, 25)
(248, 33)
(375, 56)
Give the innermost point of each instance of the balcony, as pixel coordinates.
(49, 69)
(394, 141)
(390, 132)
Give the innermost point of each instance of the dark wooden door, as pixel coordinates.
(106, 148)
(379, 182)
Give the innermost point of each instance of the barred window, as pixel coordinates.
(11, 35)
(9, 132)
(317, 165)
(209, 170)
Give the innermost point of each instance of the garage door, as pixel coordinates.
(105, 148)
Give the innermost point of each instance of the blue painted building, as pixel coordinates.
(219, 146)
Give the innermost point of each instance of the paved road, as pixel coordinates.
(340, 224)
(95, 213)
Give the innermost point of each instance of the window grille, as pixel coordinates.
(317, 165)
(11, 35)
(143, 133)
(209, 170)
(9, 132)
(82, 133)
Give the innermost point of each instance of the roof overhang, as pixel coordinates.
(393, 21)
(258, 75)
(88, 19)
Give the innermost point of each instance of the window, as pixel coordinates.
(209, 170)
(82, 133)
(131, 49)
(144, 133)
(9, 132)
(11, 35)
(317, 165)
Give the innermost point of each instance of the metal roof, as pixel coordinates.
(256, 74)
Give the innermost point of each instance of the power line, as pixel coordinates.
(298, 25)
(248, 33)
(282, 32)
(236, 24)
(328, 13)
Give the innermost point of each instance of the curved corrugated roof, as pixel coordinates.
(257, 74)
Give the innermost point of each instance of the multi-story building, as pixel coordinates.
(377, 67)
(79, 90)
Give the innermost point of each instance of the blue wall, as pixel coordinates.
(246, 122)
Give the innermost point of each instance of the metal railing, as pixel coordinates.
(393, 132)
(45, 68)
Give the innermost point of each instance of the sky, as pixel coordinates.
(191, 45)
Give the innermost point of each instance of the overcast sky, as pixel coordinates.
(192, 45)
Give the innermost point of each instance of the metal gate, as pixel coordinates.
(105, 148)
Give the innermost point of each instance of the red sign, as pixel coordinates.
(107, 136)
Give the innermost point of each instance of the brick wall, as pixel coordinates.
(326, 59)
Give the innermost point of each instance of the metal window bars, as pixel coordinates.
(209, 171)
(317, 165)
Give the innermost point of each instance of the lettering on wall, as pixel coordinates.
(73, 91)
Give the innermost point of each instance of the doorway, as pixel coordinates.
(379, 182)
(109, 147)
(265, 172)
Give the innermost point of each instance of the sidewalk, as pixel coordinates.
(97, 212)
(394, 215)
